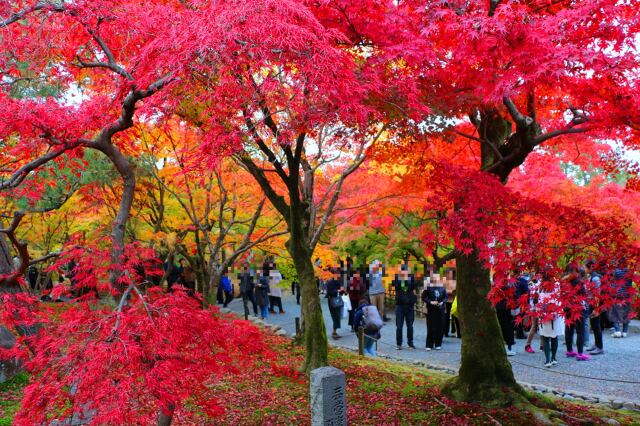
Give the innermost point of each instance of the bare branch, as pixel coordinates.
(45, 258)
(520, 120)
(358, 160)
(19, 175)
(495, 150)
(42, 5)
(94, 64)
(277, 200)
(568, 130)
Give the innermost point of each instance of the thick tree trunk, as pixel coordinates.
(165, 419)
(314, 331)
(485, 374)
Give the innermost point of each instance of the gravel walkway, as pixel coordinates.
(614, 376)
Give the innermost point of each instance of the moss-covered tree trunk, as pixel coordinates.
(314, 330)
(485, 373)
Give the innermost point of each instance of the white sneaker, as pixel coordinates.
(428, 349)
(511, 353)
(438, 348)
(616, 334)
(624, 334)
(548, 365)
(554, 362)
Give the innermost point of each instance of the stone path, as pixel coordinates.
(611, 378)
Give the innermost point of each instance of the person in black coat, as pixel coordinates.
(295, 290)
(261, 292)
(247, 287)
(405, 305)
(334, 291)
(434, 297)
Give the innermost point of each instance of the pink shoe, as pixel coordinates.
(529, 349)
(583, 357)
(571, 354)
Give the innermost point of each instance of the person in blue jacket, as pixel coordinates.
(227, 288)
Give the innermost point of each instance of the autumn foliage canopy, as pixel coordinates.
(498, 128)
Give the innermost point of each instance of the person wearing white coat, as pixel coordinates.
(551, 320)
(275, 297)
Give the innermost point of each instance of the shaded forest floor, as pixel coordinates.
(379, 392)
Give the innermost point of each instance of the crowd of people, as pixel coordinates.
(361, 293)
(574, 306)
(260, 288)
(582, 314)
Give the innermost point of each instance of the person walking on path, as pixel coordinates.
(506, 320)
(405, 305)
(295, 290)
(522, 289)
(434, 297)
(455, 322)
(619, 312)
(576, 289)
(355, 289)
(549, 312)
(227, 288)
(595, 284)
(368, 317)
(262, 293)
(533, 317)
(334, 290)
(247, 287)
(275, 277)
(450, 287)
(376, 287)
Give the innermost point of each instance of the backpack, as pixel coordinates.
(371, 321)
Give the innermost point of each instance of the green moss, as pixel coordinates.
(10, 395)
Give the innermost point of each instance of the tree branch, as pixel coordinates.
(568, 130)
(19, 175)
(42, 5)
(520, 120)
(277, 200)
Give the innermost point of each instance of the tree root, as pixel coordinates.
(543, 409)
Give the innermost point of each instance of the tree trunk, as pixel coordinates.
(127, 173)
(213, 284)
(165, 419)
(314, 331)
(6, 262)
(485, 373)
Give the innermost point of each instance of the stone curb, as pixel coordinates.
(602, 400)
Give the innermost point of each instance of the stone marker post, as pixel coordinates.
(328, 397)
